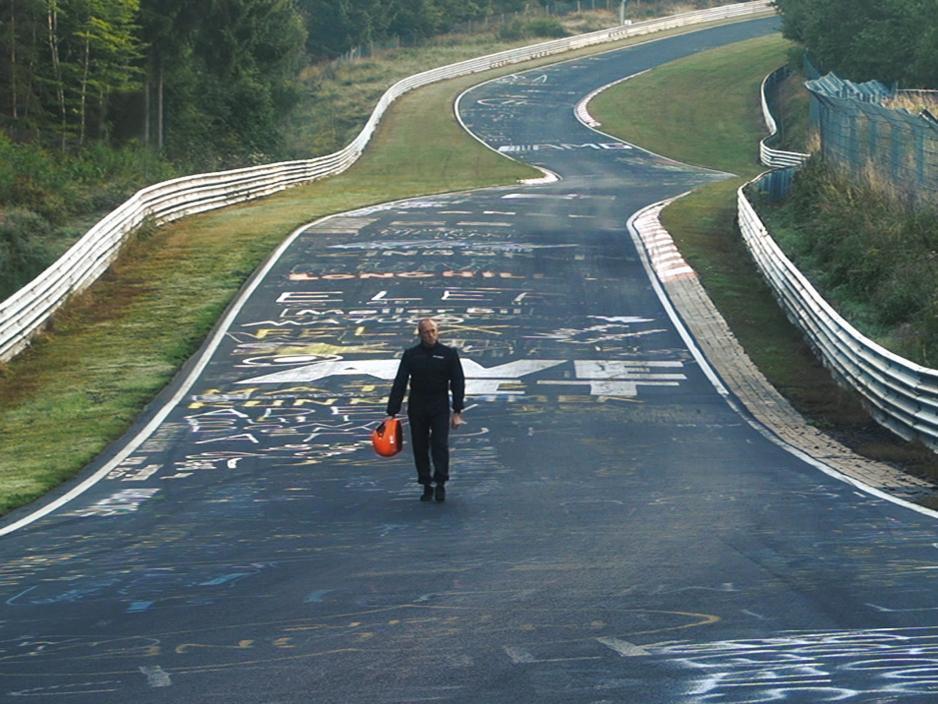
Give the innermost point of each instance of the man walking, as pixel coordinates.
(433, 370)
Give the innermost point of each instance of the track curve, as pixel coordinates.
(614, 530)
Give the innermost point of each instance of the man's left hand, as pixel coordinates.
(456, 421)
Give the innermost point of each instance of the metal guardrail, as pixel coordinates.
(29, 309)
(901, 395)
(776, 158)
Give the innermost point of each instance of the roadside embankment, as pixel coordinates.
(705, 110)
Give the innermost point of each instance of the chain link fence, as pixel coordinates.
(891, 149)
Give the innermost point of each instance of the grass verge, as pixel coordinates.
(110, 350)
(705, 110)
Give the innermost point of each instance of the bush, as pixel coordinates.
(23, 252)
(876, 260)
(545, 27)
(534, 27)
(58, 186)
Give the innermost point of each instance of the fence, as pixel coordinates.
(888, 149)
(901, 395)
(28, 310)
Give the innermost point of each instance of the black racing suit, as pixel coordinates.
(433, 372)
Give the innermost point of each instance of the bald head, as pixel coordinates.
(429, 332)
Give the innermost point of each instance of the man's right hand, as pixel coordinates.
(387, 418)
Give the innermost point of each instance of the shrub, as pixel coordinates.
(876, 260)
(545, 27)
(534, 27)
(23, 252)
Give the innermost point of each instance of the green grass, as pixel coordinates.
(705, 110)
(111, 349)
(793, 116)
(338, 99)
(870, 254)
(116, 345)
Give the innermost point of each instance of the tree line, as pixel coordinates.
(894, 41)
(199, 79)
(335, 26)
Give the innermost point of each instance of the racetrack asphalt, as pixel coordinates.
(614, 531)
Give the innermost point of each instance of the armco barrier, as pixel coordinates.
(768, 156)
(900, 394)
(26, 311)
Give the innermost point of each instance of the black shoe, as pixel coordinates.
(427, 493)
(440, 493)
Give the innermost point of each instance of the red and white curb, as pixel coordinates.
(582, 108)
(664, 255)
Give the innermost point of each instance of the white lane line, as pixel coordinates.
(548, 177)
(220, 333)
(538, 196)
(721, 389)
(416, 223)
(887, 610)
(475, 223)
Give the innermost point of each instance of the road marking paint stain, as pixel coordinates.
(754, 615)
(518, 655)
(156, 676)
(886, 609)
(623, 647)
(316, 596)
(222, 579)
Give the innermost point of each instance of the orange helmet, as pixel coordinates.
(388, 438)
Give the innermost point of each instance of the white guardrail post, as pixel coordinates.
(29, 309)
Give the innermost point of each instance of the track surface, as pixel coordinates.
(614, 531)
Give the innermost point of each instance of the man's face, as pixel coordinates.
(429, 333)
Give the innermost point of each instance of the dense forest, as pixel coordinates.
(885, 40)
(195, 79)
(99, 98)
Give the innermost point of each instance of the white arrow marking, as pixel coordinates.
(387, 368)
